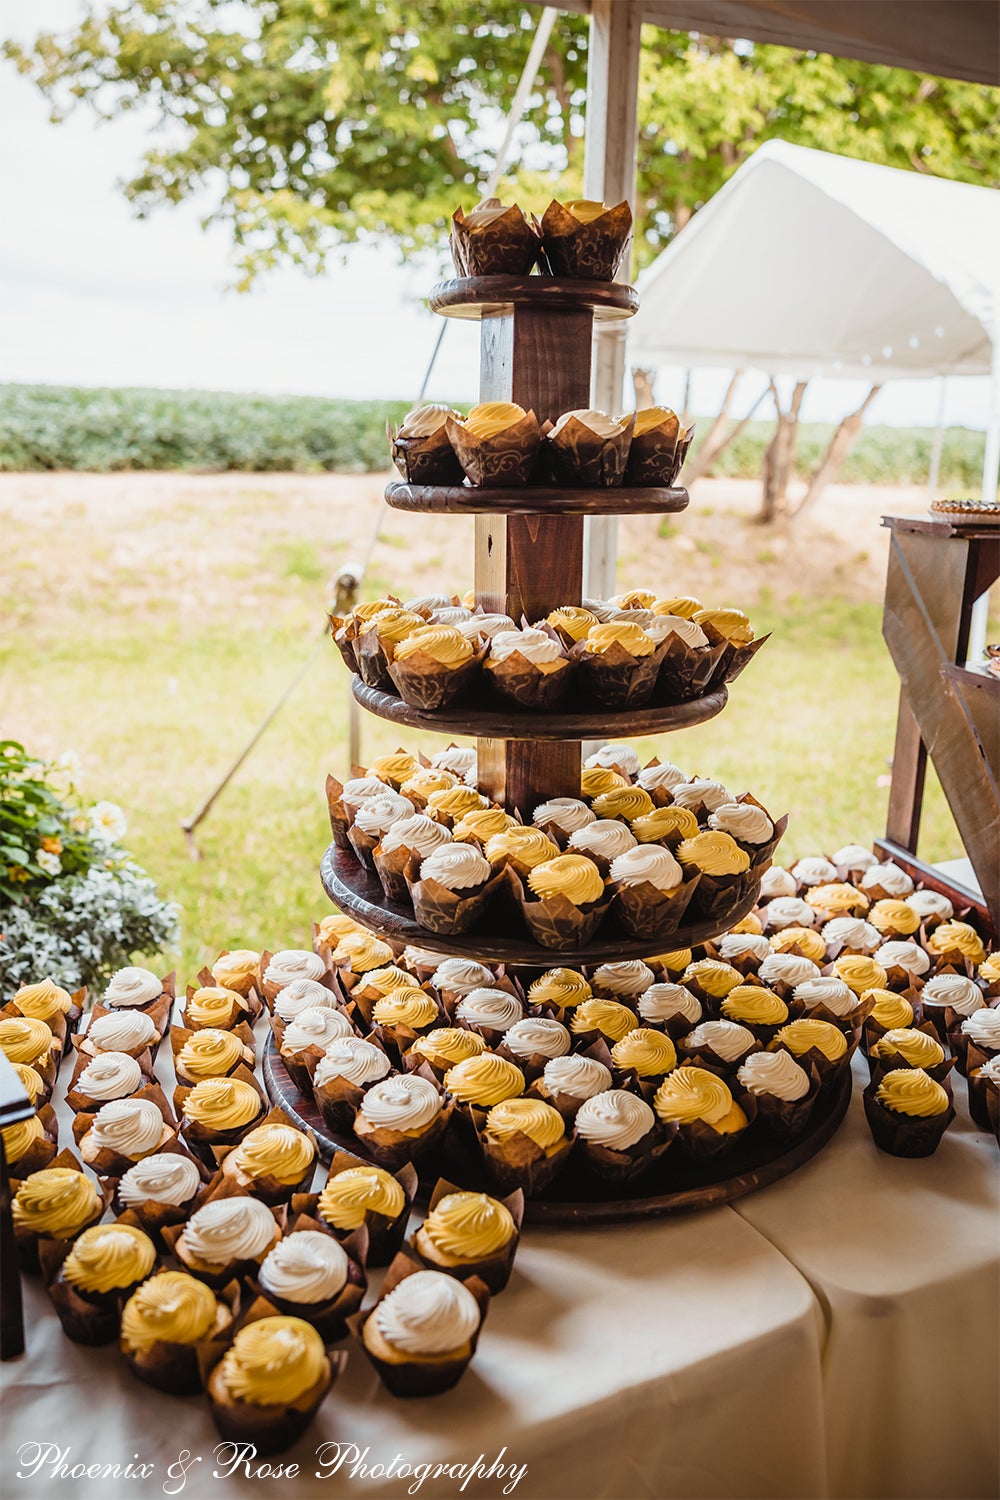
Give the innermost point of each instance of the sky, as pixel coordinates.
(90, 295)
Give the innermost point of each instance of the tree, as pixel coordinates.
(317, 122)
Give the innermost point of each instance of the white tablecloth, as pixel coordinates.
(834, 1335)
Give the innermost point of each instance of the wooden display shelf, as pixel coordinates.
(359, 894)
(675, 1184)
(478, 297)
(534, 500)
(508, 722)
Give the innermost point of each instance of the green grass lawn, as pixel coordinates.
(158, 683)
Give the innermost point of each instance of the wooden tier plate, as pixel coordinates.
(508, 722)
(676, 1184)
(478, 297)
(358, 892)
(533, 500)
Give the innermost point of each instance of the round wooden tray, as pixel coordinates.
(494, 296)
(533, 500)
(508, 722)
(675, 1184)
(358, 892)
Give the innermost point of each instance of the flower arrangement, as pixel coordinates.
(73, 904)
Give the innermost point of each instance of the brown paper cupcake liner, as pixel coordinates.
(646, 912)
(718, 896)
(180, 1036)
(339, 820)
(829, 1071)
(508, 246)
(429, 685)
(92, 1319)
(391, 870)
(28, 1241)
(577, 456)
(509, 458)
(626, 1166)
(979, 1090)
(492, 1270)
(363, 846)
(706, 1057)
(656, 457)
(444, 911)
(176, 1368)
(392, 1149)
(905, 1135)
(411, 1376)
(520, 681)
(425, 460)
(739, 657)
(385, 1236)
(787, 1118)
(702, 1141)
(591, 251)
(686, 672)
(518, 1163)
(329, 1318)
(242, 1012)
(615, 678)
(344, 631)
(373, 659)
(41, 1151)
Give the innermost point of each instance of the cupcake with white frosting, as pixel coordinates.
(672, 1007)
(717, 1044)
(651, 891)
(814, 871)
(621, 758)
(903, 962)
(626, 979)
(746, 821)
(947, 999)
(880, 880)
(783, 1091)
(853, 860)
(301, 995)
(423, 1331)
(567, 1081)
(451, 887)
(787, 911)
(311, 1275)
(533, 1041)
(348, 1067)
(161, 1190)
(138, 991)
(826, 997)
(984, 1094)
(293, 963)
(306, 1038)
(489, 1011)
(226, 1238)
(111, 1075)
(373, 820)
(603, 841)
(400, 1118)
(850, 935)
(745, 951)
(931, 907)
(618, 1136)
(131, 1031)
(455, 977)
(776, 884)
(658, 778)
(406, 838)
(783, 971)
(529, 667)
(123, 1131)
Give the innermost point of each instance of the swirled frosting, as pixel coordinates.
(899, 955)
(29, 1081)
(838, 998)
(43, 1000)
(164, 1178)
(358, 789)
(889, 877)
(303, 994)
(687, 631)
(427, 1314)
(487, 625)
(376, 815)
(527, 846)
(852, 932)
(570, 875)
(455, 801)
(213, 1006)
(732, 623)
(112, 1075)
(296, 963)
(406, 1103)
(536, 646)
(228, 1229)
(915, 1047)
(629, 977)
(275, 1150)
(352, 1194)
(485, 1079)
(628, 802)
(860, 973)
(308, 1266)
(274, 1361)
(468, 1226)
(25, 1040)
(808, 941)
(19, 1138)
(579, 1077)
(983, 1028)
(665, 822)
(631, 638)
(727, 1039)
(57, 1202)
(606, 837)
(132, 1127)
(565, 813)
(450, 1044)
(645, 1052)
(931, 904)
(536, 1036)
(777, 884)
(647, 864)
(889, 1010)
(787, 968)
(955, 990)
(426, 781)
(744, 821)
(596, 780)
(755, 1005)
(814, 871)
(711, 976)
(573, 620)
(854, 857)
(482, 824)
(661, 1002)
(908, 1091)
(460, 976)
(774, 1073)
(990, 1072)
(458, 867)
(132, 987)
(615, 1119)
(407, 1006)
(743, 945)
(691, 1094)
(495, 1010)
(359, 953)
(805, 1034)
(171, 1308)
(606, 1016)
(444, 644)
(662, 776)
(459, 759)
(395, 767)
(121, 1033)
(620, 757)
(894, 916)
(237, 969)
(315, 1028)
(356, 1061)
(788, 911)
(684, 605)
(222, 1103)
(561, 987)
(701, 792)
(959, 935)
(714, 854)
(109, 1257)
(211, 1053)
(530, 1117)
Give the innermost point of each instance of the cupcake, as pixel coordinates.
(894, 918)
(460, 760)
(618, 663)
(746, 951)
(747, 822)
(497, 444)
(420, 447)
(629, 803)
(814, 872)
(585, 238)
(270, 1383)
(524, 1145)
(305, 1039)
(979, 1037)
(784, 971)
(368, 1196)
(26, 1040)
(490, 1012)
(226, 1238)
(758, 1009)
(903, 962)
(908, 1047)
(805, 941)
(343, 800)
(124, 1131)
(294, 963)
(482, 824)
(529, 667)
(571, 622)
(847, 935)
(670, 1006)
(645, 1055)
(534, 1041)
(495, 239)
(659, 779)
(786, 911)
(454, 978)
(718, 1044)
(346, 1069)
(587, 447)
(401, 1118)
(425, 781)
(565, 901)
(702, 1108)
(212, 1007)
(859, 972)
(209, 1053)
(624, 980)
(131, 1031)
(931, 907)
(166, 1323)
(139, 989)
(814, 1043)
(273, 1161)
(482, 1081)
(483, 627)
(620, 758)
(398, 765)
(701, 795)
(112, 1075)
(31, 1083)
(560, 817)
(470, 1234)
(49, 1002)
(355, 955)
(401, 1016)
(853, 859)
(887, 879)
(731, 627)
(160, 1190)
(310, 1275)
(659, 447)
(372, 822)
(407, 838)
(783, 1092)
(453, 804)
(984, 1095)
(947, 998)
(423, 1330)
(618, 1136)
(602, 1018)
(956, 943)
(830, 999)
(56, 1203)
(443, 1047)
(89, 1279)
(451, 888)
(724, 867)
(238, 970)
(562, 989)
(665, 825)
(31, 1144)
(651, 893)
(888, 1010)
(710, 980)
(567, 1081)
(908, 1112)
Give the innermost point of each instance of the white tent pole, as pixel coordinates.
(991, 469)
(609, 175)
(934, 471)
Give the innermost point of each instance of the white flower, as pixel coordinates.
(108, 820)
(50, 863)
(69, 765)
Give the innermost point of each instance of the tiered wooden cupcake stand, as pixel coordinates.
(536, 340)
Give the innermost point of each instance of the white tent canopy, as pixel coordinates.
(808, 263)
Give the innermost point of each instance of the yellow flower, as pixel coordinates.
(50, 845)
(17, 873)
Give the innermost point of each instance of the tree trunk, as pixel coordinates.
(779, 460)
(642, 380)
(715, 438)
(840, 446)
(730, 437)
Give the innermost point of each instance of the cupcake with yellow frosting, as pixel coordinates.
(56, 1203)
(815, 1044)
(710, 980)
(887, 1011)
(49, 1002)
(481, 824)
(665, 825)
(908, 1112)
(597, 1018)
(529, 667)
(701, 1106)
(210, 1052)
(220, 1112)
(533, 1041)
(727, 875)
(423, 1330)
(357, 954)
(432, 665)
(454, 803)
(359, 1196)
(89, 1280)
(377, 640)
(480, 1082)
(216, 1007)
(909, 1047)
(525, 1145)
(24, 1039)
(956, 944)
(443, 1048)
(169, 1321)
(563, 901)
(571, 622)
(403, 1014)
(989, 974)
(643, 1058)
(585, 238)
(618, 663)
(559, 990)
(894, 918)
(757, 1008)
(238, 970)
(805, 941)
(470, 1234)
(271, 1381)
(497, 444)
(659, 447)
(732, 627)
(273, 1161)
(494, 239)
(31, 1144)
(860, 972)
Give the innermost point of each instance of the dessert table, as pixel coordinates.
(832, 1335)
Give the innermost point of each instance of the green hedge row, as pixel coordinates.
(62, 427)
